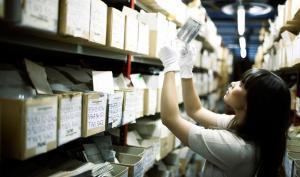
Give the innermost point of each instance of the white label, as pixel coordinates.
(41, 14)
(129, 113)
(41, 126)
(118, 22)
(115, 103)
(78, 17)
(97, 112)
(70, 119)
(98, 21)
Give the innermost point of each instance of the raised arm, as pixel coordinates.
(170, 114)
(192, 102)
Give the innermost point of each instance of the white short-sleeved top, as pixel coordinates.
(226, 154)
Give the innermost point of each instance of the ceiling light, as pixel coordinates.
(241, 20)
(242, 41)
(251, 8)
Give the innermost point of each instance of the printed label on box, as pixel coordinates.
(70, 119)
(115, 103)
(97, 112)
(41, 126)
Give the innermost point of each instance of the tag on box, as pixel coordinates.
(103, 81)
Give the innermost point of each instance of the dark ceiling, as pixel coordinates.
(227, 25)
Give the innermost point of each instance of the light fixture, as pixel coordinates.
(243, 52)
(241, 19)
(251, 8)
(242, 41)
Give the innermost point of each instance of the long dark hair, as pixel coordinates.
(267, 119)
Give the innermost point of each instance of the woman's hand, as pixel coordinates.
(169, 58)
(187, 61)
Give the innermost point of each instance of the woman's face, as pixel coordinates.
(235, 96)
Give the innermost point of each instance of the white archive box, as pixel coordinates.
(158, 26)
(143, 38)
(31, 130)
(36, 14)
(131, 29)
(148, 99)
(69, 116)
(93, 113)
(98, 23)
(129, 106)
(115, 28)
(75, 18)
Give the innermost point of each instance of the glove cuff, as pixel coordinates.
(186, 72)
(172, 67)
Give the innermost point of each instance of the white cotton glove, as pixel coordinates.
(169, 58)
(187, 61)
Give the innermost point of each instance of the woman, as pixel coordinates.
(249, 143)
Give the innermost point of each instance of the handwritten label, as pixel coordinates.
(70, 119)
(129, 113)
(115, 104)
(41, 126)
(98, 21)
(41, 14)
(97, 112)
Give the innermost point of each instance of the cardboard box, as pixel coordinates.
(119, 170)
(150, 101)
(29, 127)
(166, 145)
(75, 18)
(98, 23)
(69, 116)
(36, 14)
(131, 33)
(115, 109)
(134, 163)
(158, 26)
(115, 28)
(143, 38)
(93, 113)
(139, 102)
(129, 106)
